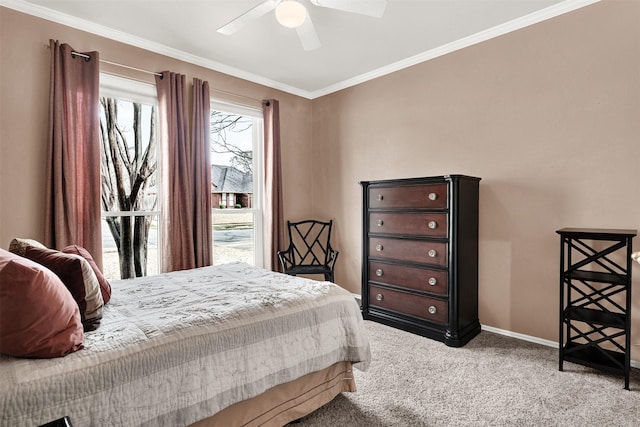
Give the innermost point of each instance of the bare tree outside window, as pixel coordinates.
(223, 126)
(128, 179)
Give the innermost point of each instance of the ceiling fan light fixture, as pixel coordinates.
(290, 13)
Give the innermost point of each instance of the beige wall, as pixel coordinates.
(548, 117)
(24, 86)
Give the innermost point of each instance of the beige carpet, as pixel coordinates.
(492, 381)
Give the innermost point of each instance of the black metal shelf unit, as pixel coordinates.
(595, 299)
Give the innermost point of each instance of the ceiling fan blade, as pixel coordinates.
(248, 16)
(373, 8)
(308, 36)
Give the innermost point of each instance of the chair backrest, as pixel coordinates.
(310, 241)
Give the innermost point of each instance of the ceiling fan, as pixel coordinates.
(293, 14)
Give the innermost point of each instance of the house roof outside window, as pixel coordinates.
(227, 179)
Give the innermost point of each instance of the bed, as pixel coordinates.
(216, 346)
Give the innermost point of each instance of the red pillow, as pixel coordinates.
(39, 317)
(77, 275)
(105, 287)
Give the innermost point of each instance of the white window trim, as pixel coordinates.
(127, 89)
(258, 182)
(130, 213)
(241, 110)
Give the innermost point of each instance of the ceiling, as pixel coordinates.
(355, 48)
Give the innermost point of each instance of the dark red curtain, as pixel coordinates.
(185, 173)
(176, 173)
(273, 211)
(72, 214)
(201, 160)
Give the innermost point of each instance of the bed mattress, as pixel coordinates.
(176, 348)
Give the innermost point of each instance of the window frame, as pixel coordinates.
(257, 208)
(126, 89)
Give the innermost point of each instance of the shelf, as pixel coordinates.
(597, 276)
(597, 233)
(599, 317)
(593, 299)
(595, 357)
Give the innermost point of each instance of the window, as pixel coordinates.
(236, 187)
(129, 188)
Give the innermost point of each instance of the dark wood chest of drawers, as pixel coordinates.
(420, 256)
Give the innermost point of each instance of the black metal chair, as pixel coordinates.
(309, 250)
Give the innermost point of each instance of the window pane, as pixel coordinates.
(128, 178)
(233, 236)
(140, 258)
(232, 146)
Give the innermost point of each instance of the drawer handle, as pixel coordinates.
(380, 223)
(379, 297)
(433, 281)
(380, 197)
(432, 225)
(379, 248)
(432, 309)
(432, 253)
(433, 196)
(379, 272)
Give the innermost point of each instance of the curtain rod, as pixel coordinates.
(82, 55)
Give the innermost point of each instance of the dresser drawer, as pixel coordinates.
(431, 309)
(427, 196)
(420, 251)
(420, 255)
(419, 279)
(412, 224)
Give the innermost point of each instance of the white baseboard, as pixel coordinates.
(536, 340)
(548, 343)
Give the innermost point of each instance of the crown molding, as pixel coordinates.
(90, 27)
(120, 36)
(499, 30)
